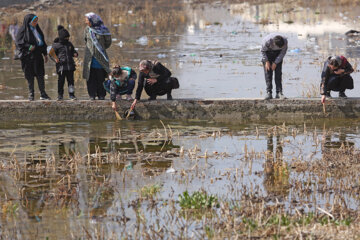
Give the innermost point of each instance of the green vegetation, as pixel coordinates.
(198, 200)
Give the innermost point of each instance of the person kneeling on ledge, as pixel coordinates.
(336, 77)
(156, 80)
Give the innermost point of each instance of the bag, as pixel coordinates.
(174, 82)
(18, 54)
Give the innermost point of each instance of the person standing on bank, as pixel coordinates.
(156, 80)
(31, 45)
(64, 52)
(273, 51)
(335, 76)
(96, 61)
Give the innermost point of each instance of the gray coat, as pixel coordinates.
(91, 51)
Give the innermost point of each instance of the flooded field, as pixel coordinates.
(112, 180)
(194, 179)
(212, 47)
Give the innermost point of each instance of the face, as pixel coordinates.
(34, 22)
(87, 22)
(333, 68)
(146, 71)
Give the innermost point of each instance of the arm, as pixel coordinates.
(53, 54)
(324, 78)
(113, 90)
(74, 52)
(162, 71)
(348, 68)
(133, 75)
(140, 86)
(264, 48)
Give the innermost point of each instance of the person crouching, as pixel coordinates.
(121, 82)
(336, 77)
(64, 52)
(156, 79)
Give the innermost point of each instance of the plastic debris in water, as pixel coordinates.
(296, 50)
(142, 40)
(120, 44)
(170, 170)
(154, 23)
(129, 166)
(161, 55)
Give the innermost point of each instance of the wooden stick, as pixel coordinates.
(118, 117)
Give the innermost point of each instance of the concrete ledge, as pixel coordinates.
(226, 110)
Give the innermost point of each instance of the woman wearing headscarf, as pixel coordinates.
(96, 61)
(31, 45)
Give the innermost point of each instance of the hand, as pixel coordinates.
(76, 55)
(133, 104)
(46, 58)
(273, 66)
(323, 98)
(151, 81)
(339, 71)
(57, 60)
(113, 106)
(267, 66)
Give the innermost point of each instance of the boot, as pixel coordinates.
(168, 96)
(280, 95)
(342, 94)
(268, 96)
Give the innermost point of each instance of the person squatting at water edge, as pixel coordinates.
(273, 50)
(31, 47)
(64, 52)
(121, 82)
(335, 76)
(96, 61)
(156, 80)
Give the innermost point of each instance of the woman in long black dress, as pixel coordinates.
(31, 45)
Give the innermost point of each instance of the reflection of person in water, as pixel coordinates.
(329, 143)
(276, 172)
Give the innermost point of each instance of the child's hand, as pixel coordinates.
(57, 60)
(113, 106)
(76, 55)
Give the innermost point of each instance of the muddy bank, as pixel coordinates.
(228, 110)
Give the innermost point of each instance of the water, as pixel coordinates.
(88, 174)
(70, 180)
(214, 49)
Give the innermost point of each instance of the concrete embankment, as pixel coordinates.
(226, 110)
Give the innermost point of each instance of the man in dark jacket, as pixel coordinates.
(336, 77)
(63, 52)
(156, 80)
(273, 51)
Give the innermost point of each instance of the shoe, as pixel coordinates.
(31, 97)
(280, 95)
(327, 94)
(101, 98)
(45, 97)
(152, 97)
(60, 98)
(92, 98)
(72, 97)
(342, 95)
(129, 97)
(169, 97)
(268, 96)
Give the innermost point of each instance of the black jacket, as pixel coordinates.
(327, 72)
(25, 38)
(65, 52)
(158, 69)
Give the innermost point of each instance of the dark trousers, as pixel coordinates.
(339, 83)
(95, 83)
(272, 55)
(69, 75)
(33, 66)
(158, 89)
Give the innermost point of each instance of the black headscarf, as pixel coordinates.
(25, 36)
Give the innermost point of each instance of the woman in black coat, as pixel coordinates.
(31, 46)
